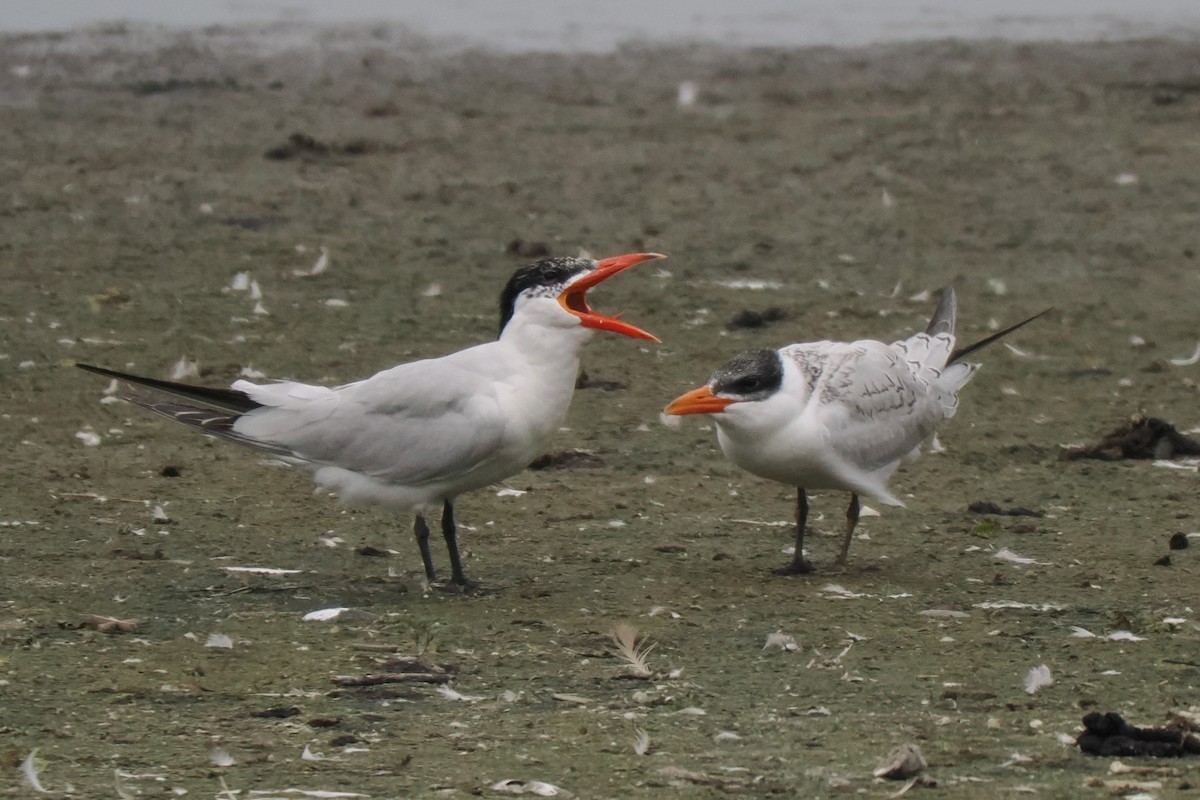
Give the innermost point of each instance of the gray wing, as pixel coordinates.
(874, 404)
(411, 425)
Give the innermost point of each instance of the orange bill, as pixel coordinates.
(574, 297)
(698, 401)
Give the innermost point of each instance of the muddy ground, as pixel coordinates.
(141, 172)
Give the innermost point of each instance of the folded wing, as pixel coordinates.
(415, 424)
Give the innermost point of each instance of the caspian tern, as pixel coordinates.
(836, 415)
(416, 436)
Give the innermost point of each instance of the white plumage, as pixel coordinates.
(836, 415)
(416, 436)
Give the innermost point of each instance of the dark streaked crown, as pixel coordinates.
(752, 375)
(545, 278)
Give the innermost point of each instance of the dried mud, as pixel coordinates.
(141, 174)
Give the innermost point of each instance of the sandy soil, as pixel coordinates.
(140, 174)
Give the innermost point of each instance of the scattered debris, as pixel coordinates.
(1178, 541)
(30, 772)
(986, 507)
(687, 93)
(400, 669)
(310, 755)
(994, 605)
(585, 381)
(138, 555)
(277, 712)
(1004, 554)
(110, 296)
(445, 691)
(264, 570)
(751, 284)
(219, 640)
(324, 722)
(240, 282)
(902, 763)
(524, 249)
(267, 794)
(626, 638)
(540, 788)
(1115, 636)
(679, 775)
(1037, 678)
(567, 459)
(220, 758)
(103, 624)
(1187, 362)
(781, 641)
(753, 320)
(252, 223)
(1188, 720)
(1121, 768)
(641, 743)
(151, 86)
(1124, 787)
(319, 266)
(88, 438)
(690, 711)
(837, 590)
(301, 145)
(185, 370)
(1110, 735)
(1141, 437)
(567, 697)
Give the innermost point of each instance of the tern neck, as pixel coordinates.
(552, 345)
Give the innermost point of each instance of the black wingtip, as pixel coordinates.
(963, 352)
(224, 399)
(943, 318)
(108, 373)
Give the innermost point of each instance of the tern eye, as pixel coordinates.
(747, 385)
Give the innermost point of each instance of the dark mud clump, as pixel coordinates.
(302, 145)
(753, 320)
(1110, 735)
(986, 507)
(524, 249)
(1141, 437)
(586, 381)
(567, 459)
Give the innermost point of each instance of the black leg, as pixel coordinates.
(422, 532)
(800, 565)
(851, 521)
(450, 533)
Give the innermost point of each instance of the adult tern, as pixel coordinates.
(416, 436)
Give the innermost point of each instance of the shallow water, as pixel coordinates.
(137, 187)
(579, 26)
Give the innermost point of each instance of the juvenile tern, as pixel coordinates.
(416, 436)
(836, 415)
